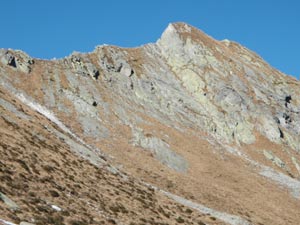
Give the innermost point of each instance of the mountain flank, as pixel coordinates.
(187, 130)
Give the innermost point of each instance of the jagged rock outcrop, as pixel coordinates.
(16, 59)
(207, 120)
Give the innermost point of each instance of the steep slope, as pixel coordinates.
(46, 183)
(206, 120)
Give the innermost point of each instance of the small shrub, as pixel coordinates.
(42, 208)
(213, 218)
(53, 220)
(54, 193)
(201, 223)
(189, 211)
(180, 220)
(65, 213)
(112, 221)
(118, 208)
(48, 168)
(31, 194)
(78, 222)
(23, 164)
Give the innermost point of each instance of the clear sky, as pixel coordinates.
(55, 28)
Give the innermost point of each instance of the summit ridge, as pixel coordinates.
(188, 129)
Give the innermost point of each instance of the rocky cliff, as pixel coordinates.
(185, 130)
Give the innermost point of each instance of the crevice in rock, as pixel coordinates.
(12, 61)
(131, 86)
(131, 72)
(281, 133)
(287, 118)
(152, 89)
(288, 99)
(96, 74)
(277, 120)
(119, 68)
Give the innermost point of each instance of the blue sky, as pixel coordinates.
(55, 28)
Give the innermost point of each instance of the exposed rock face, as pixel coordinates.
(206, 120)
(16, 59)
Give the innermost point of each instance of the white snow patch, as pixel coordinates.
(47, 113)
(56, 208)
(6, 222)
(44, 111)
(87, 152)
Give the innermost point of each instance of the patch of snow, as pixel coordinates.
(47, 113)
(79, 146)
(56, 208)
(44, 111)
(6, 222)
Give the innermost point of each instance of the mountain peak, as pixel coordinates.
(185, 31)
(180, 27)
(108, 137)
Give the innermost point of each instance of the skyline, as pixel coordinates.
(55, 29)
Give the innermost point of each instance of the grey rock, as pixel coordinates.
(11, 61)
(10, 203)
(76, 144)
(7, 58)
(17, 60)
(277, 161)
(92, 70)
(126, 70)
(296, 163)
(284, 180)
(229, 98)
(161, 151)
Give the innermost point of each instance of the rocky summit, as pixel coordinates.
(187, 130)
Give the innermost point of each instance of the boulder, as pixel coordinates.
(126, 70)
(8, 59)
(17, 60)
(10, 203)
(11, 61)
(161, 150)
(269, 128)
